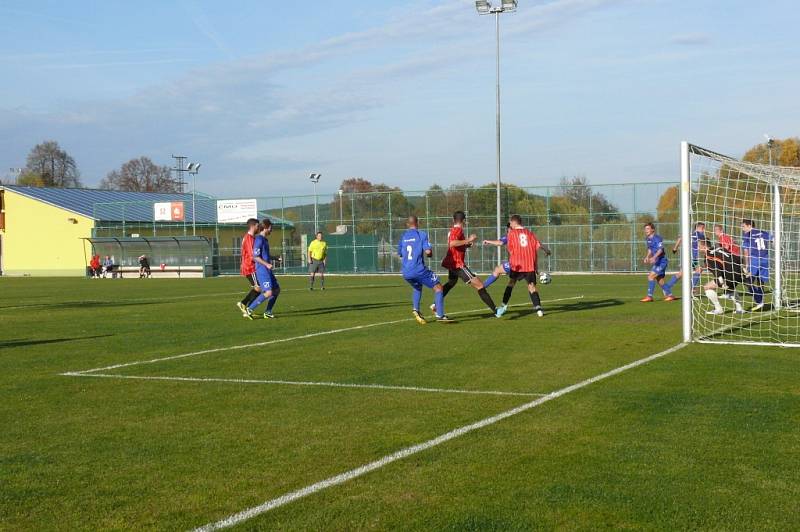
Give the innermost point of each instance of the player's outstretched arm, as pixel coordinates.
(492, 242)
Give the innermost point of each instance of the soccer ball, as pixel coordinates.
(544, 278)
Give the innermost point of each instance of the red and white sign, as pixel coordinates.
(168, 211)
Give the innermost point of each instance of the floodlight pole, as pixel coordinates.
(485, 8)
(497, 121)
(315, 179)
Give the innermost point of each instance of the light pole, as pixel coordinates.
(770, 144)
(341, 210)
(193, 168)
(485, 8)
(315, 179)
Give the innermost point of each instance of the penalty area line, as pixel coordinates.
(308, 383)
(276, 341)
(341, 478)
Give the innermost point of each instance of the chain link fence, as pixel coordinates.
(589, 228)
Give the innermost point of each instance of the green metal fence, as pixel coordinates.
(595, 228)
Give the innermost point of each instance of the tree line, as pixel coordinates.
(49, 165)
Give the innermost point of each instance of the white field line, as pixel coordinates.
(308, 383)
(341, 478)
(188, 296)
(276, 341)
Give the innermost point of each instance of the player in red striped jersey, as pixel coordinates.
(248, 267)
(457, 244)
(522, 248)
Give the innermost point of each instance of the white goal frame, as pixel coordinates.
(686, 221)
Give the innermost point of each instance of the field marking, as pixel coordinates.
(188, 296)
(280, 340)
(341, 478)
(308, 383)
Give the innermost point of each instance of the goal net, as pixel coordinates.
(745, 274)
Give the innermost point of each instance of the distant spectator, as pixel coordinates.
(94, 267)
(108, 266)
(144, 267)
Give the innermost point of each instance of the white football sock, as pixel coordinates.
(712, 296)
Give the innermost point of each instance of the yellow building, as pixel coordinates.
(45, 231)
(40, 237)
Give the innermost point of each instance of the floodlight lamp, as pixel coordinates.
(483, 7)
(509, 5)
(197, 166)
(315, 178)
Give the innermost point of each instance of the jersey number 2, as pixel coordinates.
(410, 251)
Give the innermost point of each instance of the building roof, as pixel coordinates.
(116, 205)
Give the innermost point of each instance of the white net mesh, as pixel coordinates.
(752, 268)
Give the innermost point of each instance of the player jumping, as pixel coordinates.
(248, 267)
(457, 245)
(656, 257)
(413, 248)
(270, 289)
(522, 249)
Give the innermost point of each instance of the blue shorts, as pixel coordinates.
(659, 268)
(422, 278)
(506, 267)
(267, 280)
(759, 268)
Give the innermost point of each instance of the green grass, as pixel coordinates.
(706, 437)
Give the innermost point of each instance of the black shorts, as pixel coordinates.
(530, 277)
(465, 274)
(251, 278)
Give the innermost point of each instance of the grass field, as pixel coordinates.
(704, 437)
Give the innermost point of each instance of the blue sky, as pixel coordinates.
(400, 92)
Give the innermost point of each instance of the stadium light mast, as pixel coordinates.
(770, 144)
(315, 179)
(484, 7)
(193, 168)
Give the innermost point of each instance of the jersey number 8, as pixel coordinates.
(523, 240)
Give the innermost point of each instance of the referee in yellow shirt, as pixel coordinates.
(317, 259)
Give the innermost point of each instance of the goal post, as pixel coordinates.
(742, 283)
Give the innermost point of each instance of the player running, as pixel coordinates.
(248, 267)
(522, 250)
(413, 248)
(755, 245)
(656, 257)
(457, 245)
(270, 289)
(726, 271)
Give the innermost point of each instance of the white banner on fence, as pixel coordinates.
(236, 211)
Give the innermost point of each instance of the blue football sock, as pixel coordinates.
(416, 298)
(667, 288)
(758, 294)
(695, 279)
(271, 302)
(257, 301)
(439, 298)
(489, 280)
(651, 287)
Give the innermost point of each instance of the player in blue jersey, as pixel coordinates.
(413, 248)
(698, 234)
(657, 258)
(270, 289)
(755, 255)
